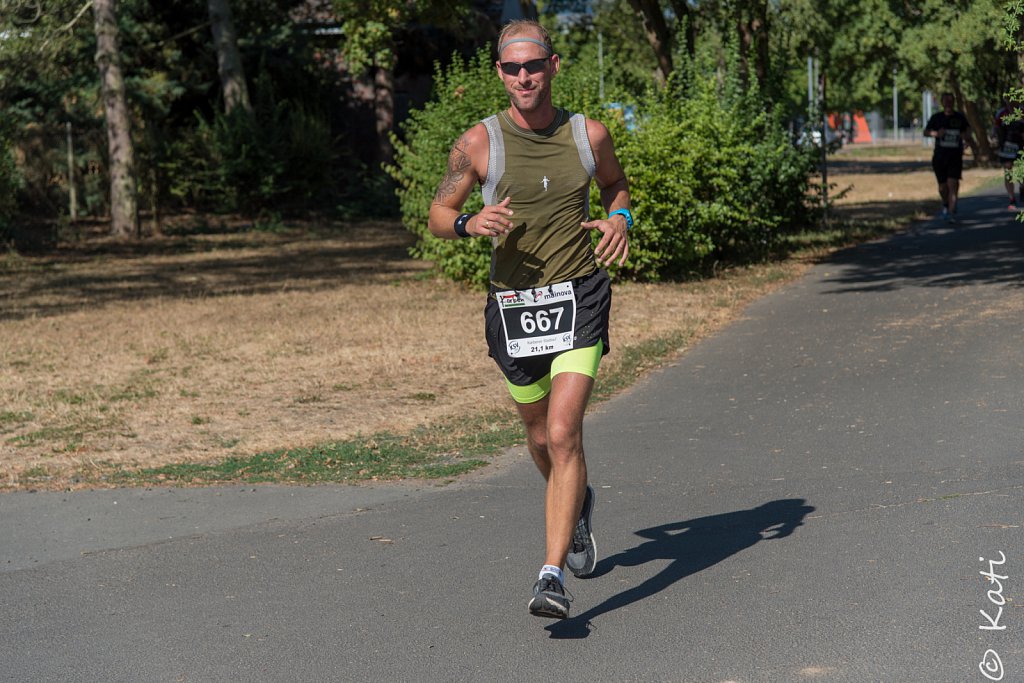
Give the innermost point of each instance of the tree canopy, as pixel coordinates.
(328, 82)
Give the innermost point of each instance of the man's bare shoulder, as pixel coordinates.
(474, 143)
(597, 132)
(477, 135)
(467, 164)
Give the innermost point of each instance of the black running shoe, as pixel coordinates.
(549, 598)
(582, 557)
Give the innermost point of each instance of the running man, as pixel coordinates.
(950, 129)
(546, 318)
(1010, 135)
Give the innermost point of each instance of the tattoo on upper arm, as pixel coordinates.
(458, 163)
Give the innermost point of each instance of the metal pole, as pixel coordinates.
(895, 108)
(600, 65)
(926, 106)
(822, 104)
(72, 198)
(924, 112)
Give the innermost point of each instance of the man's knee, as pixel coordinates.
(535, 420)
(565, 441)
(537, 440)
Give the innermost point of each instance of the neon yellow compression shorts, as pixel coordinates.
(584, 361)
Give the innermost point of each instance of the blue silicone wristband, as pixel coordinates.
(627, 214)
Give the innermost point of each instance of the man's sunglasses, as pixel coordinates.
(534, 66)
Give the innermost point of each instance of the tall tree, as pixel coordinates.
(229, 62)
(370, 29)
(1013, 40)
(745, 23)
(124, 207)
(953, 45)
(749, 21)
(688, 19)
(659, 34)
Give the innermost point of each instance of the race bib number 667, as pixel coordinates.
(538, 321)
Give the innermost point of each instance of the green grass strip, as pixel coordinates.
(441, 451)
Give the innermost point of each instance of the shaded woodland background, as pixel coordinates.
(125, 112)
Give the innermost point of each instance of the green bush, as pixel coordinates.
(277, 155)
(465, 93)
(711, 174)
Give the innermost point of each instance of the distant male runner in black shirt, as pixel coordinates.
(950, 129)
(1009, 131)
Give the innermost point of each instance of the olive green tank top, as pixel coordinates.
(547, 174)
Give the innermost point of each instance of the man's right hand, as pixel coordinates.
(492, 220)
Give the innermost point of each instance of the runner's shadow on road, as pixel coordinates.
(692, 546)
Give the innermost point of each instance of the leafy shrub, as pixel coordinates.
(276, 155)
(464, 93)
(711, 174)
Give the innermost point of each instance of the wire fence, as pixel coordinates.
(908, 136)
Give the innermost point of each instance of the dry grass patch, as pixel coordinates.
(883, 181)
(208, 345)
(146, 359)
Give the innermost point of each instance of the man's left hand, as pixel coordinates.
(614, 243)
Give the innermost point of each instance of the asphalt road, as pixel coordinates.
(804, 496)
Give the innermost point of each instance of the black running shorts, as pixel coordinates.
(593, 304)
(948, 166)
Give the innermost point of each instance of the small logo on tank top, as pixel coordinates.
(545, 182)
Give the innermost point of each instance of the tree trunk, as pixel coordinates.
(681, 8)
(1018, 43)
(1020, 62)
(746, 40)
(752, 31)
(384, 112)
(124, 207)
(760, 27)
(982, 150)
(229, 62)
(657, 33)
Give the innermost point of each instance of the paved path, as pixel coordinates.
(803, 497)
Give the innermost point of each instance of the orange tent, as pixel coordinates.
(861, 132)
